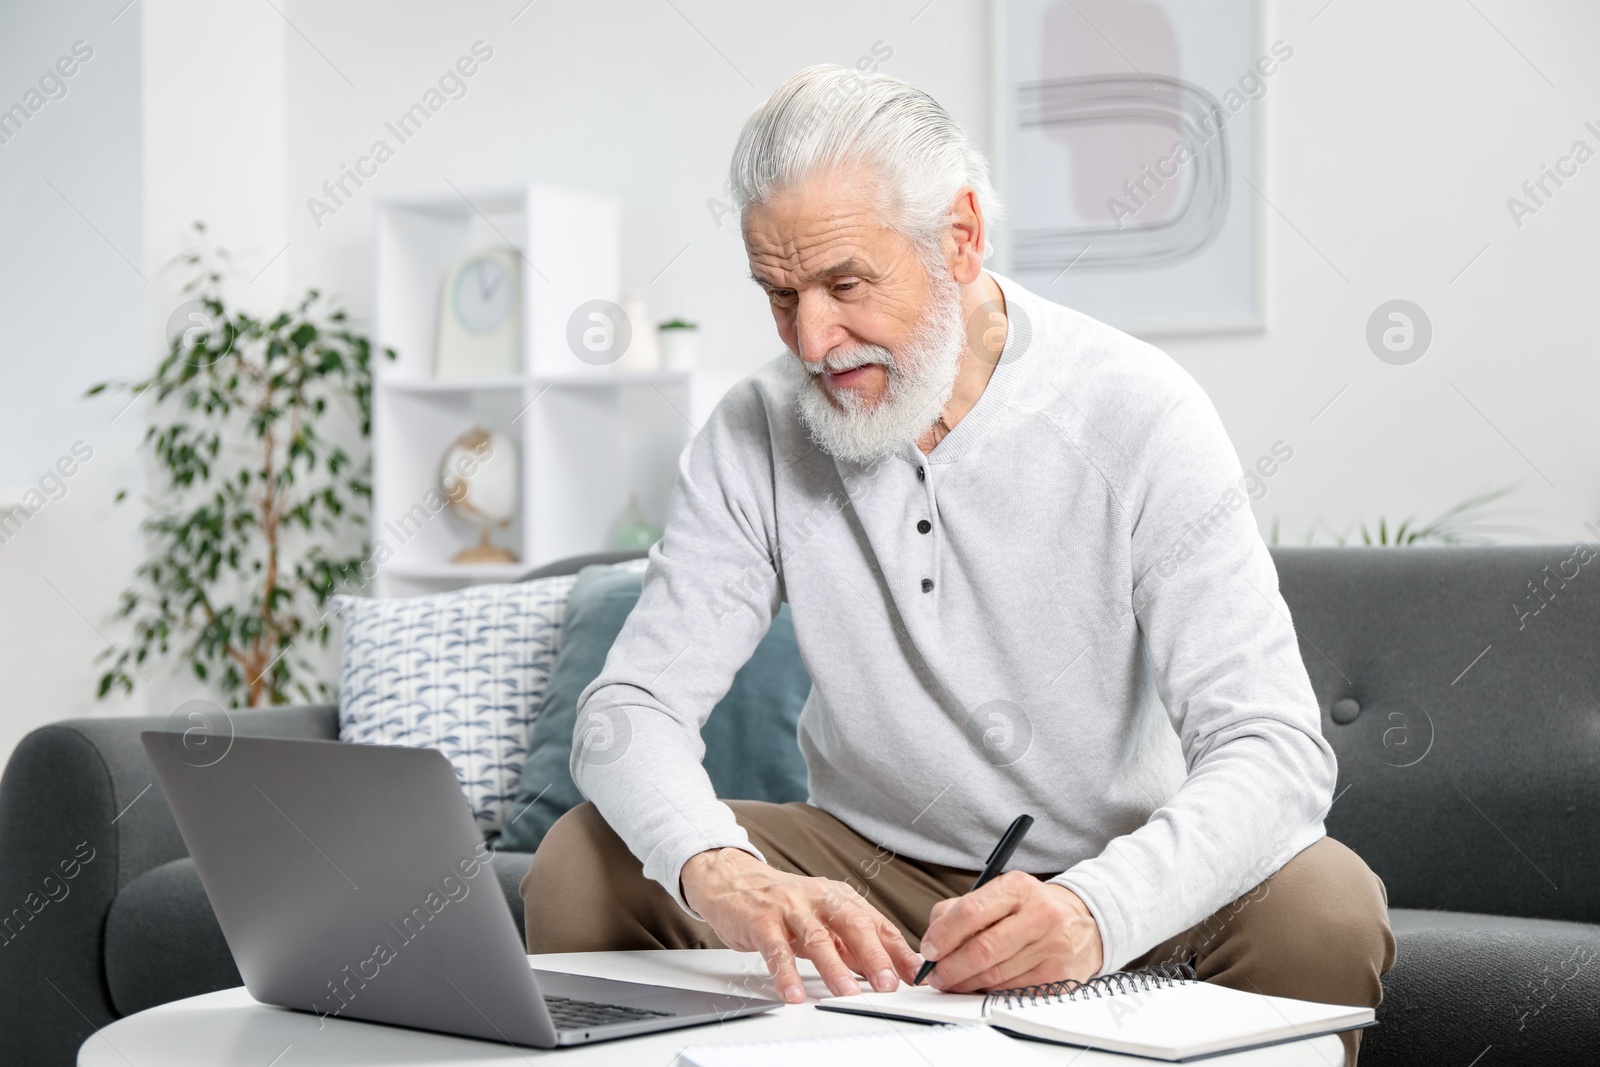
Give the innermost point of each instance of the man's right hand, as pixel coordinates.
(754, 907)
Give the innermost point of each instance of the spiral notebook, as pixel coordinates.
(1162, 1013)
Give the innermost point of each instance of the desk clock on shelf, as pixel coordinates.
(480, 316)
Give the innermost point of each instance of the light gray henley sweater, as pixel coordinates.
(1064, 610)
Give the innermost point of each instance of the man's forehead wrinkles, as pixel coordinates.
(812, 241)
(813, 257)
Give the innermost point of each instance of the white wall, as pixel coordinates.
(215, 139)
(71, 305)
(1398, 131)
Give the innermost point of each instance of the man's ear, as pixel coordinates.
(964, 238)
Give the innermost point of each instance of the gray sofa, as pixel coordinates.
(1468, 732)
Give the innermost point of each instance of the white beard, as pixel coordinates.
(921, 379)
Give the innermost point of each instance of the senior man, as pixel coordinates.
(1022, 581)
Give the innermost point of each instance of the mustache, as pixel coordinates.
(850, 359)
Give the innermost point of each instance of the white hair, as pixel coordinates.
(828, 116)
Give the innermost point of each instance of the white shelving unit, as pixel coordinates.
(587, 437)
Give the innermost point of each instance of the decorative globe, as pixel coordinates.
(478, 477)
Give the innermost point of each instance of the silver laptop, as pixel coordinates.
(351, 881)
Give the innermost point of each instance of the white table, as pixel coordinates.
(230, 1029)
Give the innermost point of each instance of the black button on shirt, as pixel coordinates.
(924, 526)
(921, 474)
(927, 585)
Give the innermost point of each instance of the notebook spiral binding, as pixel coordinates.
(1164, 974)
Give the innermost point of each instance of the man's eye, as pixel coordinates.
(846, 286)
(781, 296)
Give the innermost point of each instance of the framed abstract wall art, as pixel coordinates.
(1127, 146)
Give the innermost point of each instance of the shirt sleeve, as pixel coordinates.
(710, 593)
(1226, 663)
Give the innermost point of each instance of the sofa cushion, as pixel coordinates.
(1460, 690)
(751, 749)
(462, 672)
(1463, 982)
(163, 943)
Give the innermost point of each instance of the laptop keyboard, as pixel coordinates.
(569, 1014)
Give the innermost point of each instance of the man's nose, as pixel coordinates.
(817, 328)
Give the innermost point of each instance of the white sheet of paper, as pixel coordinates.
(908, 1046)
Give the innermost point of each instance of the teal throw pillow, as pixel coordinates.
(751, 747)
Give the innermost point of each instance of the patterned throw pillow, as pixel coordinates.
(463, 672)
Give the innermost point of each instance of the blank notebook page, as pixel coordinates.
(1178, 1021)
(907, 1046)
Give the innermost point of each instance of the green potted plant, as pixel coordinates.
(256, 511)
(680, 342)
(1469, 522)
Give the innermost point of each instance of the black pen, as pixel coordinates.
(993, 866)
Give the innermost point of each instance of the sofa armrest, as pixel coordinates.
(81, 817)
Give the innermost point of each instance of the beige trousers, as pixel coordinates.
(1318, 929)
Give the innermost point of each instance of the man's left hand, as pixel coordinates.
(1015, 931)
